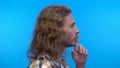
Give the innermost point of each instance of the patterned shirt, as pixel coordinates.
(44, 61)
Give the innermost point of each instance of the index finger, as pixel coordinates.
(76, 42)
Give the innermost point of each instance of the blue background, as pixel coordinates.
(98, 21)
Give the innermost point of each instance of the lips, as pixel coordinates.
(76, 39)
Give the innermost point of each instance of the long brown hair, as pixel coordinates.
(47, 35)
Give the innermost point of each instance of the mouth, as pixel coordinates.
(76, 39)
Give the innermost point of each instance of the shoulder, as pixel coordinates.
(40, 63)
(45, 61)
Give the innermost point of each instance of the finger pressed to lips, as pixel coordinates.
(76, 41)
(81, 50)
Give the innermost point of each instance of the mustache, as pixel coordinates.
(76, 37)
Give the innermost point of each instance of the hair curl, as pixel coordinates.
(47, 35)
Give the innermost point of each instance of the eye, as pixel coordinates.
(73, 25)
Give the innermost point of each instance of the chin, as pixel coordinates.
(72, 45)
(69, 45)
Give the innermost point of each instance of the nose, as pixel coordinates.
(77, 30)
(77, 33)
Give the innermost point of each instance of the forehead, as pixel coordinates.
(69, 19)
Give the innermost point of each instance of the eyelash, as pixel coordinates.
(73, 25)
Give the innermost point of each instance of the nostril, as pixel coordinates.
(77, 33)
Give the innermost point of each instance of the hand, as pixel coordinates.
(79, 54)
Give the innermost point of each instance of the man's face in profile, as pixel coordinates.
(70, 31)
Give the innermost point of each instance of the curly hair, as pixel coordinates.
(47, 34)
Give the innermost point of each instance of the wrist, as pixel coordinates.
(80, 63)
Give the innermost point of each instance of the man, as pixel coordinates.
(55, 30)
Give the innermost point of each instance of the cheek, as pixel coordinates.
(71, 36)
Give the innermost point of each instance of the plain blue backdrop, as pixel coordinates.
(98, 21)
